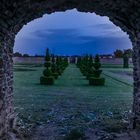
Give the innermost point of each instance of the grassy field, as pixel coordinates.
(71, 102)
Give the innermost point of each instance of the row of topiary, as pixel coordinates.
(91, 69)
(54, 66)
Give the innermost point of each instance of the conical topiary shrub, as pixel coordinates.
(90, 67)
(58, 65)
(54, 68)
(84, 68)
(47, 79)
(66, 62)
(96, 79)
(125, 61)
(79, 62)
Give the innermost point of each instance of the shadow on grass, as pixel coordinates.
(23, 69)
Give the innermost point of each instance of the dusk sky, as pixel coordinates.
(70, 33)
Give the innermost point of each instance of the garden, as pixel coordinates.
(75, 101)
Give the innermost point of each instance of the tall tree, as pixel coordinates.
(129, 52)
(118, 54)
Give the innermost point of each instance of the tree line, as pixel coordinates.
(117, 54)
(120, 54)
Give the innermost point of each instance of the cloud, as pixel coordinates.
(54, 32)
(71, 32)
(113, 38)
(105, 26)
(101, 30)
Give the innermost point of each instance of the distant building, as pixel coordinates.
(106, 56)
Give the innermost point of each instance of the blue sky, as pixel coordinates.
(70, 33)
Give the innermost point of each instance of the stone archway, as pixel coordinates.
(16, 13)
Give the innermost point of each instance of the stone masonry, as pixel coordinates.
(16, 13)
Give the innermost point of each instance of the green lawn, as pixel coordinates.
(71, 102)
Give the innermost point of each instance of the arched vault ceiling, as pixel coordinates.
(15, 13)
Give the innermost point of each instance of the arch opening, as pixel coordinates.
(120, 13)
(45, 35)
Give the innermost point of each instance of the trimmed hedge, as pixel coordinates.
(97, 81)
(97, 73)
(55, 75)
(46, 80)
(47, 72)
